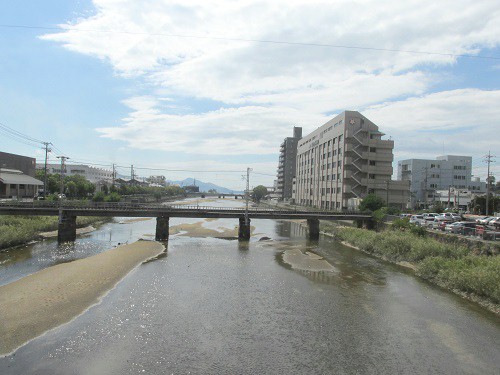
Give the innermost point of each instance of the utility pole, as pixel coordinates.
(63, 160)
(114, 174)
(132, 172)
(487, 159)
(47, 150)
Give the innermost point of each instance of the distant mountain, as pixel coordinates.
(204, 186)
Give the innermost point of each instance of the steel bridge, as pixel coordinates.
(69, 210)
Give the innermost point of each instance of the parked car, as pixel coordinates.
(402, 216)
(486, 220)
(478, 219)
(495, 223)
(461, 227)
(450, 216)
(429, 214)
(439, 223)
(417, 220)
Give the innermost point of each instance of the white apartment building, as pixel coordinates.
(426, 176)
(92, 174)
(343, 161)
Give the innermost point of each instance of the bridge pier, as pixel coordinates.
(66, 228)
(244, 230)
(313, 225)
(162, 223)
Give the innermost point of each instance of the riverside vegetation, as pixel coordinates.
(450, 265)
(17, 230)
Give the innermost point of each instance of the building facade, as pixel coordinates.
(343, 161)
(427, 176)
(21, 163)
(92, 174)
(287, 165)
(17, 176)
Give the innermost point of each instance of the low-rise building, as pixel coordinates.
(90, 173)
(25, 164)
(15, 184)
(427, 176)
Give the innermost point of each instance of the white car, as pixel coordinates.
(450, 216)
(486, 220)
(417, 220)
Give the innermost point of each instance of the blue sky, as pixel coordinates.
(122, 93)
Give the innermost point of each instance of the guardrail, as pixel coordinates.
(127, 206)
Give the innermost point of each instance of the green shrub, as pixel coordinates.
(113, 197)
(403, 223)
(99, 197)
(472, 274)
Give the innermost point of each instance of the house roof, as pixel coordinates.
(15, 177)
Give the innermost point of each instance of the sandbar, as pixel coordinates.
(306, 262)
(199, 231)
(56, 295)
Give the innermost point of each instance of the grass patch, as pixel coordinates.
(448, 264)
(17, 230)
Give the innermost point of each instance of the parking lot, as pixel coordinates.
(480, 227)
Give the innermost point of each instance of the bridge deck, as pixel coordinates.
(157, 210)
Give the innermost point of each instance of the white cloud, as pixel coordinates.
(272, 86)
(458, 122)
(232, 131)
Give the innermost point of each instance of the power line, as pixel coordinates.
(19, 134)
(303, 44)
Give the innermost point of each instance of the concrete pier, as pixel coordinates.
(162, 223)
(313, 225)
(66, 229)
(244, 230)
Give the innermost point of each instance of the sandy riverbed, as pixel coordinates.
(56, 295)
(306, 261)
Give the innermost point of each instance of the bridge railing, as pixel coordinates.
(128, 206)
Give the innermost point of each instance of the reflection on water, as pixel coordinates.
(214, 306)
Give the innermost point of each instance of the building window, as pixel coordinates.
(371, 191)
(373, 149)
(372, 162)
(371, 176)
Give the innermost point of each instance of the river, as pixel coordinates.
(217, 306)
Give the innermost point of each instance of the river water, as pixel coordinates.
(215, 306)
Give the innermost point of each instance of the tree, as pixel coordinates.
(113, 197)
(71, 189)
(371, 202)
(259, 192)
(99, 197)
(491, 181)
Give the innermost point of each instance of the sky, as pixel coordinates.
(207, 88)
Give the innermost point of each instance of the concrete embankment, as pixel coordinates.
(56, 295)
